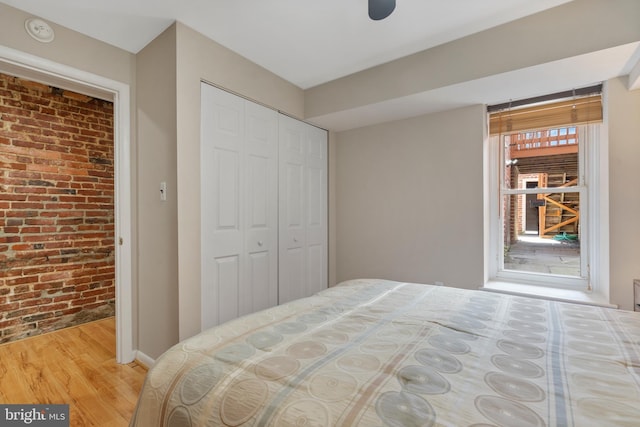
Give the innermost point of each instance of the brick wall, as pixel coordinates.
(57, 264)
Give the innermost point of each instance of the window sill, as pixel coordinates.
(556, 294)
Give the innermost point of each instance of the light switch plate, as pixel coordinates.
(163, 191)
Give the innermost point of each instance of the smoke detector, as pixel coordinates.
(39, 30)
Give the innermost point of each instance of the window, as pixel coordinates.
(546, 201)
(542, 196)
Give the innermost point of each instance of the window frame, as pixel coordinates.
(594, 214)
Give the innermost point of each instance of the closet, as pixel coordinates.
(302, 209)
(263, 207)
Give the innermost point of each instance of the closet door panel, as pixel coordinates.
(315, 280)
(261, 208)
(316, 232)
(303, 233)
(316, 213)
(292, 278)
(239, 217)
(222, 136)
(291, 213)
(259, 290)
(264, 202)
(227, 274)
(294, 199)
(224, 186)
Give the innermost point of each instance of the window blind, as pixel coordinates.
(575, 111)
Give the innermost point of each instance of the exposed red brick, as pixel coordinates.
(93, 305)
(36, 86)
(95, 294)
(49, 277)
(26, 144)
(72, 310)
(54, 307)
(24, 295)
(57, 258)
(77, 96)
(35, 302)
(4, 324)
(4, 308)
(21, 280)
(83, 301)
(21, 312)
(48, 285)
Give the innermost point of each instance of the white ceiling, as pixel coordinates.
(307, 42)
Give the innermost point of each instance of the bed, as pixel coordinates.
(382, 353)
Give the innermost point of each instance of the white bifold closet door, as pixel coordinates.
(239, 211)
(303, 209)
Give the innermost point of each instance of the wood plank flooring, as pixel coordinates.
(76, 366)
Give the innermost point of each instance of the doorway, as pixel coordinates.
(17, 63)
(57, 176)
(531, 222)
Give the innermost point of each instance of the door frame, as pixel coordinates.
(525, 213)
(24, 65)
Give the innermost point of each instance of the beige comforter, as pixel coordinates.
(380, 353)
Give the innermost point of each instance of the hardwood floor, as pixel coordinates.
(75, 366)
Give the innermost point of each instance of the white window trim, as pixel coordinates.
(596, 221)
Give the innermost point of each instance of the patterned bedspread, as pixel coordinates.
(380, 353)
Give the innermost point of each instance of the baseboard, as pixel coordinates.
(144, 360)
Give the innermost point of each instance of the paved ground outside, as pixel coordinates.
(534, 254)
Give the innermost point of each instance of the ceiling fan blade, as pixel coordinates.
(380, 9)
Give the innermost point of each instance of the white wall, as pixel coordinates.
(409, 202)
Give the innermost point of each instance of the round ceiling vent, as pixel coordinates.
(39, 30)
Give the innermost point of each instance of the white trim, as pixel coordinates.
(634, 77)
(596, 245)
(49, 72)
(598, 163)
(145, 360)
(555, 294)
(525, 218)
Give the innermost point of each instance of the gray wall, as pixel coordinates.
(409, 200)
(624, 190)
(409, 203)
(157, 220)
(68, 48)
